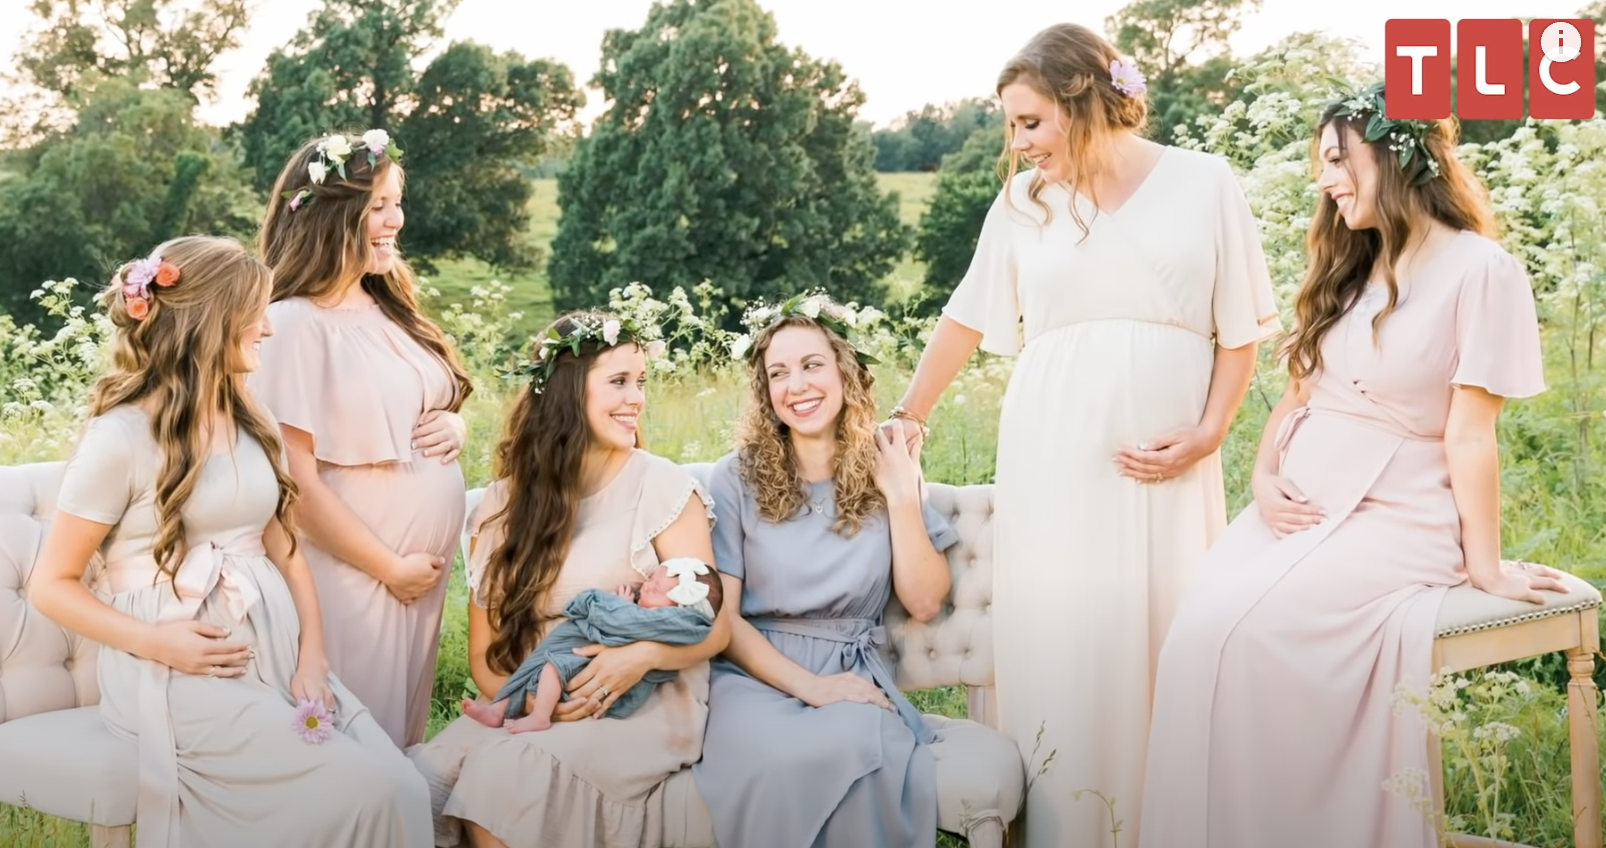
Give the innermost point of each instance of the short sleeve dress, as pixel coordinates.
(1274, 718)
(359, 385)
(579, 784)
(219, 756)
(1116, 334)
(777, 772)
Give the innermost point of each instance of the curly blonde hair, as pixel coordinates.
(765, 457)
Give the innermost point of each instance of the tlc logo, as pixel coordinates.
(1489, 73)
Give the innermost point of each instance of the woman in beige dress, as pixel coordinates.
(575, 506)
(366, 389)
(211, 657)
(1377, 488)
(1138, 271)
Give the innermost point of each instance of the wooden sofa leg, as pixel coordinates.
(101, 836)
(986, 833)
(1583, 717)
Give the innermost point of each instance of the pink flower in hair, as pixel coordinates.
(1127, 78)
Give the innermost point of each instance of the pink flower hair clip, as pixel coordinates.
(1127, 79)
(138, 280)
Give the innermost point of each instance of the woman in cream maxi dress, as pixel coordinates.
(1120, 337)
(1274, 724)
(220, 759)
(359, 384)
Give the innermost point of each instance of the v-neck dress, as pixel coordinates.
(1116, 335)
(1274, 723)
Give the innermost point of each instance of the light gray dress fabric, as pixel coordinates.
(776, 772)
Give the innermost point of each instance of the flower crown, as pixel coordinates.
(137, 280)
(608, 331)
(1408, 138)
(332, 153)
(817, 306)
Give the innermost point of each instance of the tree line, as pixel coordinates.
(725, 155)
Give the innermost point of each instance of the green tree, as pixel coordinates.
(1182, 47)
(135, 170)
(727, 157)
(921, 138)
(967, 184)
(474, 123)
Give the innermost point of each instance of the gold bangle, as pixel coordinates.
(899, 412)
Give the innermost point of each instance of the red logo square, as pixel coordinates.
(1416, 68)
(1489, 71)
(1561, 69)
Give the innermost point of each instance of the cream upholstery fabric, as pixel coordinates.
(59, 757)
(1467, 610)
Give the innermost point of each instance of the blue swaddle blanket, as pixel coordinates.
(604, 618)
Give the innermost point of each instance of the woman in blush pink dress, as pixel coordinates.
(366, 390)
(1377, 488)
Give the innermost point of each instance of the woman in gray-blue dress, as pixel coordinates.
(820, 517)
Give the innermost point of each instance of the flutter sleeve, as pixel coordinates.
(987, 299)
(666, 489)
(98, 482)
(1497, 331)
(487, 535)
(1243, 306)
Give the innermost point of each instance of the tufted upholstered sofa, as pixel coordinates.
(48, 687)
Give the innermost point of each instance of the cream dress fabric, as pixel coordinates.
(579, 784)
(1274, 724)
(220, 760)
(1120, 332)
(359, 385)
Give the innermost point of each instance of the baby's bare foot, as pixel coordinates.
(490, 715)
(528, 724)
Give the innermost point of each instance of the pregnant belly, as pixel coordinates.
(413, 507)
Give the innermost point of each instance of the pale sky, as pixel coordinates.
(904, 53)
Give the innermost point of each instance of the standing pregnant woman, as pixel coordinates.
(366, 389)
(1138, 272)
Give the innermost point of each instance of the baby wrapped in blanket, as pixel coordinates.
(676, 606)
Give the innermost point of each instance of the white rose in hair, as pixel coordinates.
(337, 147)
(376, 141)
(317, 171)
(610, 331)
(740, 345)
(810, 307)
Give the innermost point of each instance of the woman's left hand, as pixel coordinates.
(1166, 457)
(897, 464)
(311, 682)
(611, 672)
(441, 433)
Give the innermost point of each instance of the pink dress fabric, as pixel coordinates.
(591, 783)
(359, 385)
(1274, 723)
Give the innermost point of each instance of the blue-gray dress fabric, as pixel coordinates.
(604, 618)
(775, 771)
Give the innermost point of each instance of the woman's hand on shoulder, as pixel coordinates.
(441, 433)
(897, 465)
(845, 687)
(1283, 506)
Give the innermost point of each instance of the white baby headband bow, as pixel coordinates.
(689, 593)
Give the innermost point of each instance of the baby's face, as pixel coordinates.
(655, 592)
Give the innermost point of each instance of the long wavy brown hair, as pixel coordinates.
(539, 461)
(1070, 65)
(181, 356)
(317, 249)
(1343, 260)
(767, 460)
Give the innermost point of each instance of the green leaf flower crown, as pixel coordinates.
(333, 151)
(816, 305)
(1408, 138)
(608, 331)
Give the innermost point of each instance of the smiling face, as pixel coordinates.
(1037, 128)
(805, 380)
(1349, 175)
(616, 395)
(384, 221)
(247, 357)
